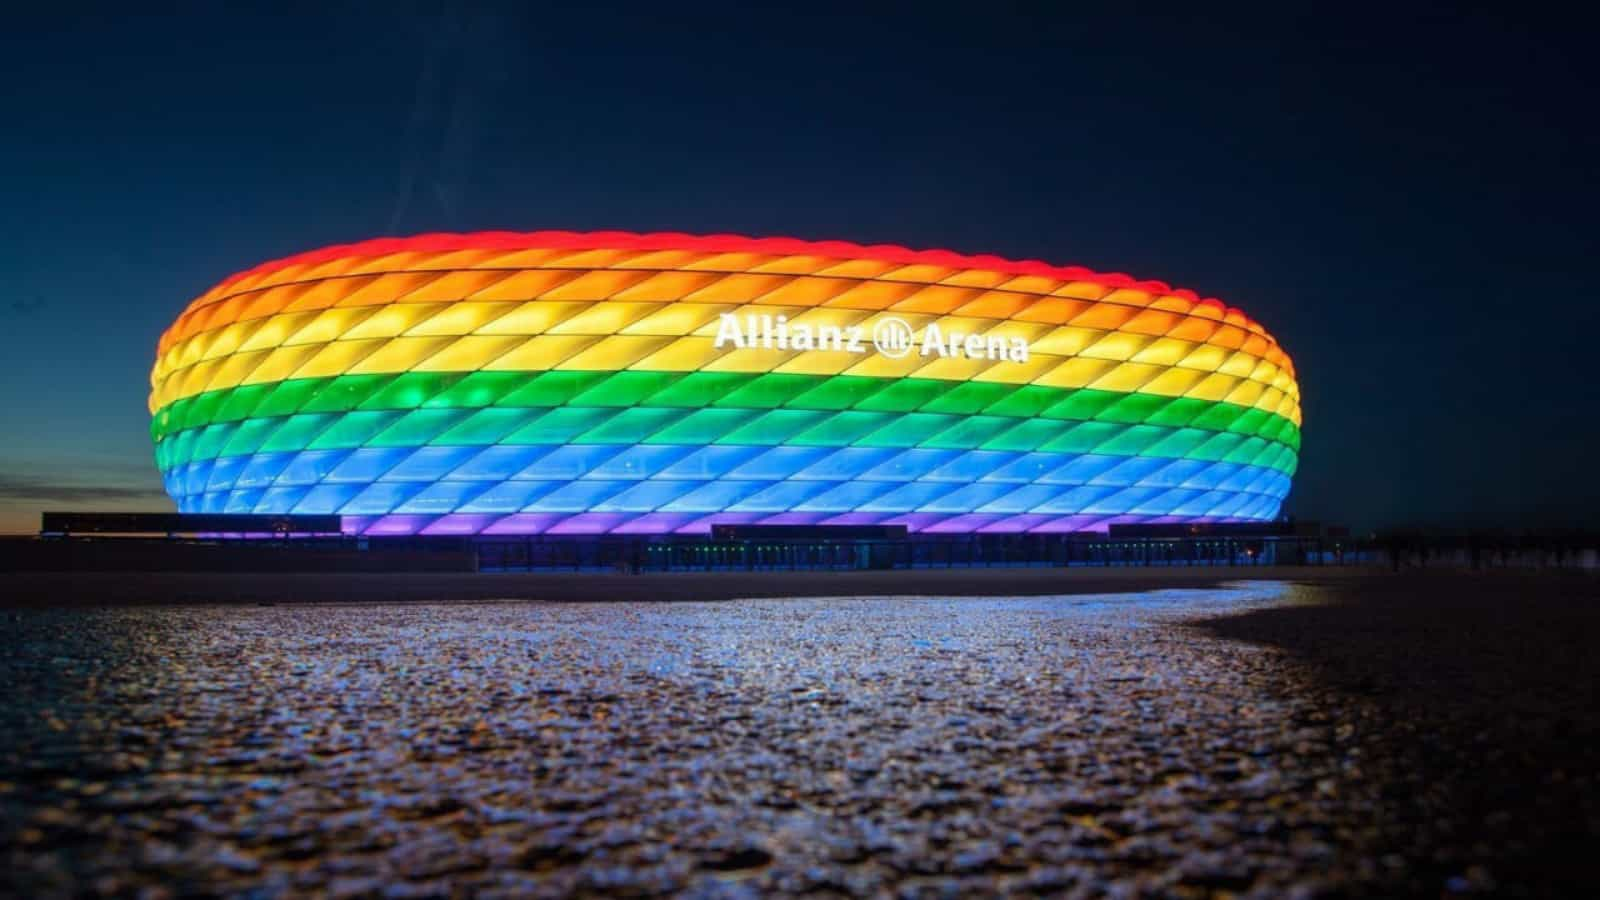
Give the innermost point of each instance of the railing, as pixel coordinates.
(680, 553)
(964, 551)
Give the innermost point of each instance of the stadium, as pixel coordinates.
(559, 383)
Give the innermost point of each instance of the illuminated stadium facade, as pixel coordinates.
(612, 383)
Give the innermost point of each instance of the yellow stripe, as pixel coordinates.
(405, 337)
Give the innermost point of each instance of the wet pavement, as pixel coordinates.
(1175, 742)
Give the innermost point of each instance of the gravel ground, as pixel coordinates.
(1374, 737)
(57, 590)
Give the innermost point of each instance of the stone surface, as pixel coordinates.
(1265, 738)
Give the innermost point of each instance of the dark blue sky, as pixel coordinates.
(1407, 201)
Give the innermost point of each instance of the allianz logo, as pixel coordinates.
(892, 337)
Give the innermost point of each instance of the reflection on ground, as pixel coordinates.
(1161, 741)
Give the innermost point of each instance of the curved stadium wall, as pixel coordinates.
(564, 383)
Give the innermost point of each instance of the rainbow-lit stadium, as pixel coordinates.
(565, 383)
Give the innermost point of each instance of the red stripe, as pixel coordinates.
(718, 243)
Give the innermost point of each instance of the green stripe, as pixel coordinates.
(476, 390)
(710, 425)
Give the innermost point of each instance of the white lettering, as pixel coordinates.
(800, 338)
(776, 332)
(728, 332)
(855, 345)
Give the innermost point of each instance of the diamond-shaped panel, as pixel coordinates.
(570, 383)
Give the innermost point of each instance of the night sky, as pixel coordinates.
(1406, 202)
